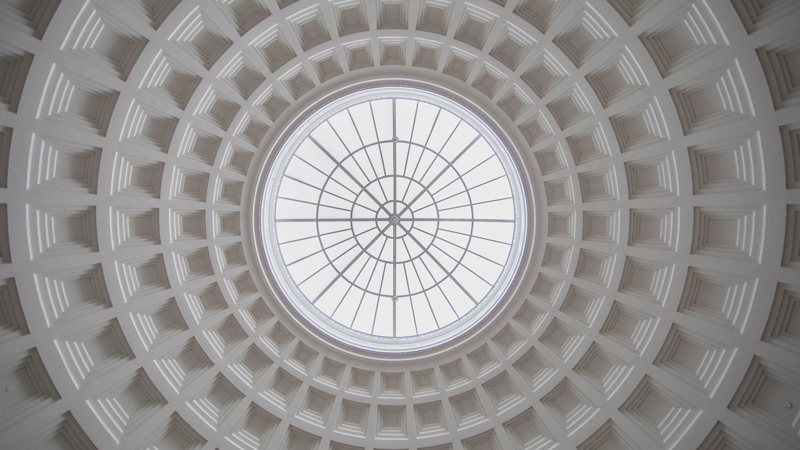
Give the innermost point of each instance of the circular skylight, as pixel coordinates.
(394, 219)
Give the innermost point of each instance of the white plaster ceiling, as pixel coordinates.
(658, 307)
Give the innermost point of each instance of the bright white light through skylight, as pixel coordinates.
(394, 215)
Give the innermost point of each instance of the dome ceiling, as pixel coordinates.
(659, 141)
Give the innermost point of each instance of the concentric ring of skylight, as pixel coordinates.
(393, 216)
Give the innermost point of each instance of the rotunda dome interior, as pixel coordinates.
(656, 300)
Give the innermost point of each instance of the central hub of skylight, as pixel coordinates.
(394, 219)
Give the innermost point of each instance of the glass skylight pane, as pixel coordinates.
(406, 112)
(362, 117)
(289, 232)
(440, 305)
(426, 117)
(462, 137)
(333, 297)
(299, 210)
(302, 171)
(345, 130)
(334, 147)
(483, 266)
(370, 164)
(334, 201)
(423, 314)
(297, 250)
(346, 311)
(460, 213)
(495, 189)
(384, 119)
(384, 319)
(445, 126)
(366, 314)
(387, 152)
(405, 319)
(393, 216)
(364, 274)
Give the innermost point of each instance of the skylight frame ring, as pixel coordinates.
(421, 343)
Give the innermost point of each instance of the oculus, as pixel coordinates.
(393, 219)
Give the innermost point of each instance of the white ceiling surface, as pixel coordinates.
(662, 139)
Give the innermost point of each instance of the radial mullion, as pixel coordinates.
(441, 266)
(308, 202)
(344, 169)
(363, 250)
(314, 236)
(419, 161)
(344, 296)
(327, 177)
(437, 154)
(432, 205)
(433, 127)
(476, 237)
(424, 291)
(459, 219)
(413, 311)
(366, 153)
(470, 205)
(350, 151)
(364, 293)
(449, 165)
(464, 191)
(487, 182)
(462, 264)
(405, 170)
(377, 139)
(325, 249)
(378, 304)
(330, 263)
(394, 264)
(378, 292)
(321, 189)
(394, 156)
(332, 178)
(326, 219)
(462, 175)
